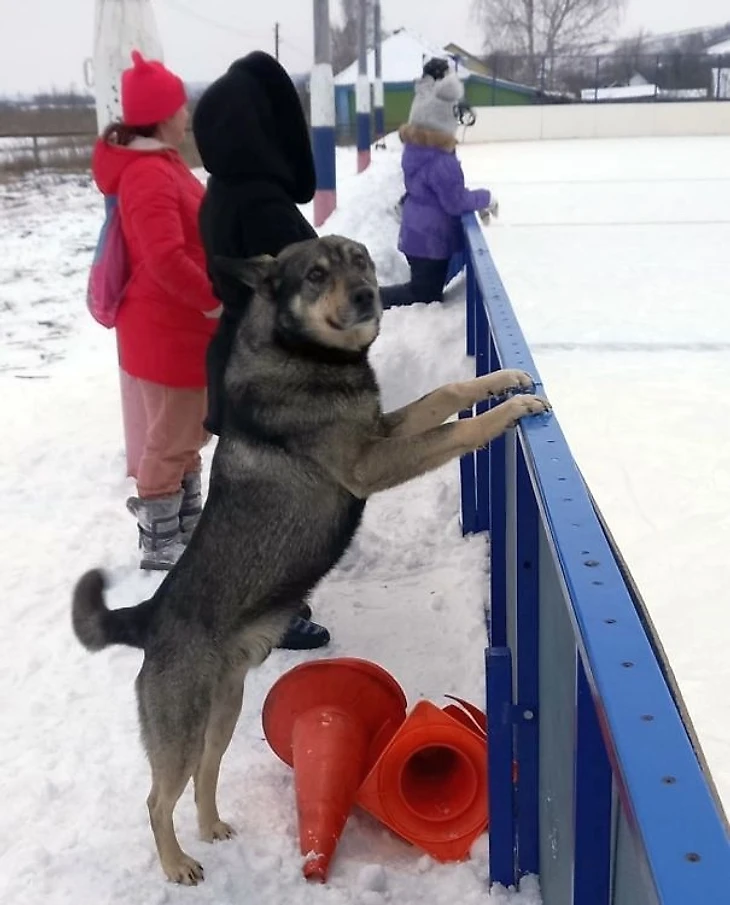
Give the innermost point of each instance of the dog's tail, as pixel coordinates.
(96, 626)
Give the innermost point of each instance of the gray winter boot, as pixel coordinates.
(192, 504)
(160, 538)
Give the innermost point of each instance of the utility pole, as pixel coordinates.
(378, 93)
(322, 106)
(362, 90)
(276, 40)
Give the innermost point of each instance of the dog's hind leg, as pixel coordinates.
(433, 409)
(170, 775)
(224, 713)
(173, 713)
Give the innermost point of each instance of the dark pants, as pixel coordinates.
(426, 284)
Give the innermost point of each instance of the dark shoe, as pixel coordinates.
(304, 635)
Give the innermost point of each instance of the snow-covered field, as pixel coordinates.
(410, 595)
(615, 256)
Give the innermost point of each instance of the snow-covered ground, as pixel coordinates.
(410, 595)
(615, 256)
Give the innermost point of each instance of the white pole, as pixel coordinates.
(121, 26)
(378, 93)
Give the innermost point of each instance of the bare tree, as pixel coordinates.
(631, 56)
(546, 28)
(344, 35)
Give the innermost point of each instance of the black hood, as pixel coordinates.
(249, 125)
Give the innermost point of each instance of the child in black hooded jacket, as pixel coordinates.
(252, 136)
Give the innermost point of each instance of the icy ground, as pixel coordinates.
(615, 255)
(410, 595)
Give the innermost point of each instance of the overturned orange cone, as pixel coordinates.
(330, 720)
(430, 783)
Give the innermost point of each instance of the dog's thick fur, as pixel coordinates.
(304, 444)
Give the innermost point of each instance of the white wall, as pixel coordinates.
(635, 120)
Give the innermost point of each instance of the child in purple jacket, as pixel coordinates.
(436, 196)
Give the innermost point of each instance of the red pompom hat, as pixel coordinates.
(150, 92)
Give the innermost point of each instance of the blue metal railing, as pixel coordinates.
(610, 805)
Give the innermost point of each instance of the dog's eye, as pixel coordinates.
(360, 261)
(317, 275)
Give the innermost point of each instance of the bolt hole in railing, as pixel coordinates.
(603, 812)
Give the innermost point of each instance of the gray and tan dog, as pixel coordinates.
(305, 443)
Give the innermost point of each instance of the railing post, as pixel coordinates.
(501, 789)
(471, 303)
(497, 539)
(482, 342)
(467, 464)
(527, 706)
(593, 802)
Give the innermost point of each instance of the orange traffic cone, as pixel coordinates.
(430, 783)
(330, 720)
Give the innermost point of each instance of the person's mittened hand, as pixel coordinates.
(216, 312)
(493, 207)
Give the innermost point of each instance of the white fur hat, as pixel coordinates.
(434, 103)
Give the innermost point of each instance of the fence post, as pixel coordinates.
(483, 456)
(543, 75)
(322, 107)
(500, 784)
(471, 305)
(378, 94)
(593, 803)
(527, 709)
(467, 463)
(362, 91)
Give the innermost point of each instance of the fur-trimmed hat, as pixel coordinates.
(434, 103)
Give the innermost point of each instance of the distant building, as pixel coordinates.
(403, 56)
(721, 72)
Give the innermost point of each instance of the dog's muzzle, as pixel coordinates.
(365, 303)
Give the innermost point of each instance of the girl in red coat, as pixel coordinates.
(169, 312)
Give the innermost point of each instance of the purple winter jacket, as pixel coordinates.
(435, 197)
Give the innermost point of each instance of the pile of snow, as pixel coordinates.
(409, 595)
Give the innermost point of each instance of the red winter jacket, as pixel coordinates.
(162, 329)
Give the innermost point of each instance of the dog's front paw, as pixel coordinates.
(512, 380)
(184, 870)
(519, 406)
(217, 832)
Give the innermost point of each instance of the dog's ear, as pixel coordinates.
(250, 271)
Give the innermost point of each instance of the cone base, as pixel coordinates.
(430, 825)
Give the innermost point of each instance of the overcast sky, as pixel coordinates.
(44, 42)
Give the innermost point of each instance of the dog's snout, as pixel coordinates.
(363, 298)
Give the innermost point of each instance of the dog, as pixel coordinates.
(305, 443)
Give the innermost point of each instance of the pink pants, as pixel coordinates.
(173, 436)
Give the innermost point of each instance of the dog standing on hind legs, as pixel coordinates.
(304, 444)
